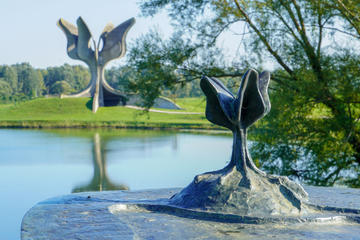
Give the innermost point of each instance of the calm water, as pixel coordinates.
(38, 164)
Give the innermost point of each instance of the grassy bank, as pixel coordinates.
(76, 112)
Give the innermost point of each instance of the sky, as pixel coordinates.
(29, 32)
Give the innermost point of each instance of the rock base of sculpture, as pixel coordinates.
(251, 194)
(149, 215)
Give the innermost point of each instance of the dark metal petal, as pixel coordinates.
(252, 102)
(219, 102)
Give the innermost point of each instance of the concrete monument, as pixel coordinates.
(79, 40)
(111, 45)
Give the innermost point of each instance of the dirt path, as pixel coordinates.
(161, 111)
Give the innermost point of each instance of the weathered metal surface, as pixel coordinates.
(240, 187)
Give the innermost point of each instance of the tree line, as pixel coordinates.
(21, 82)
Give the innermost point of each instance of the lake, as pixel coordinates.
(40, 164)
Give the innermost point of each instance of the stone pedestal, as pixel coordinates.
(149, 215)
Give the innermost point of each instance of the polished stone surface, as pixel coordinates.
(129, 215)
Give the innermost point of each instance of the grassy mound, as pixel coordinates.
(76, 112)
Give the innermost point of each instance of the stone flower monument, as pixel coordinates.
(79, 40)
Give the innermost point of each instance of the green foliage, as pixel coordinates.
(27, 82)
(9, 75)
(154, 65)
(30, 82)
(60, 87)
(5, 90)
(159, 66)
(77, 77)
(313, 130)
(119, 77)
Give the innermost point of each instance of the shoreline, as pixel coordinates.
(45, 124)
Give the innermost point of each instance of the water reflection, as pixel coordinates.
(41, 164)
(100, 180)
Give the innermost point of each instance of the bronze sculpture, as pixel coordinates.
(241, 188)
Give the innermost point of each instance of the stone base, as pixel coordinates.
(148, 215)
(254, 194)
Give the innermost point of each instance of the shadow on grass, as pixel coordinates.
(89, 104)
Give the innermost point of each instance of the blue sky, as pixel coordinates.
(29, 32)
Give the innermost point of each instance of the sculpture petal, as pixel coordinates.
(114, 41)
(71, 33)
(264, 84)
(108, 28)
(250, 103)
(219, 102)
(84, 51)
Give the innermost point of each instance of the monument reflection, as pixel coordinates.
(100, 180)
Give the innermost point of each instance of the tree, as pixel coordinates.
(348, 10)
(27, 82)
(30, 81)
(81, 77)
(77, 77)
(118, 77)
(61, 87)
(154, 63)
(158, 65)
(313, 130)
(10, 75)
(5, 90)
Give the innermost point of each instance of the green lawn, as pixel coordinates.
(76, 112)
(5, 105)
(192, 104)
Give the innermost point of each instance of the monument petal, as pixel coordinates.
(71, 33)
(114, 45)
(84, 51)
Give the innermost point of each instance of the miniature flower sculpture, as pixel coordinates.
(240, 187)
(113, 47)
(238, 113)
